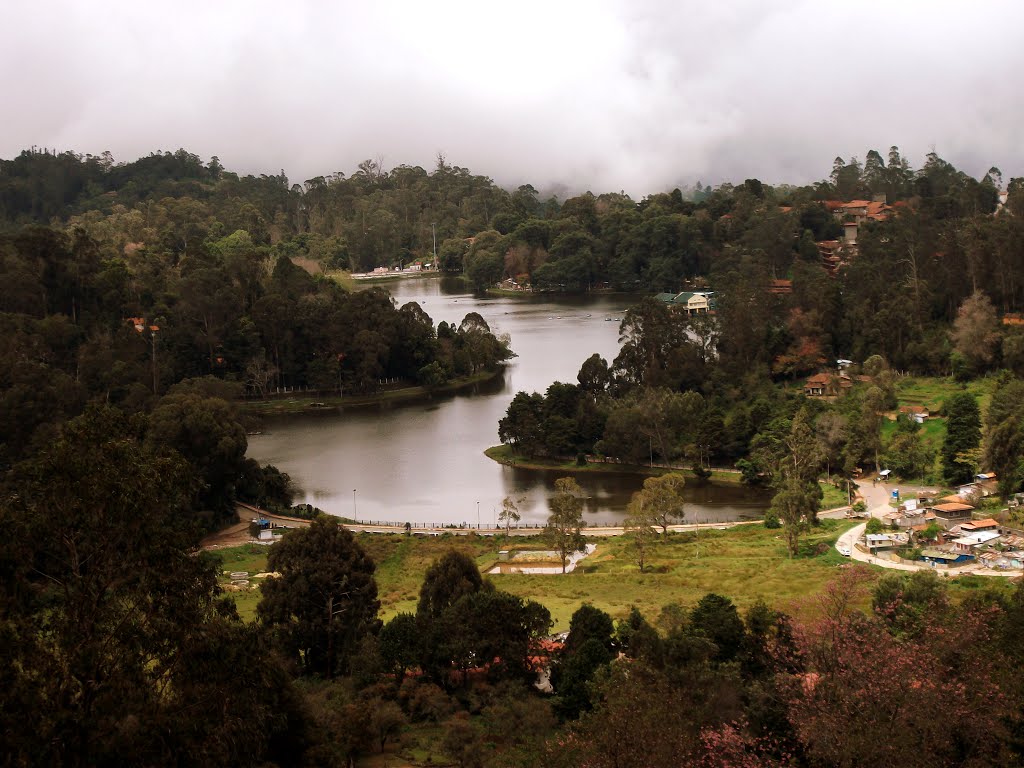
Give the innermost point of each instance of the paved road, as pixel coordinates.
(876, 497)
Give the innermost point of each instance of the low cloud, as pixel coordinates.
(607, 95)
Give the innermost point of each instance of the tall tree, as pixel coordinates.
(1004, 434)
(963, 435)
(325, 600)
(638, 525)
(975, 333)
(663, 497)
(448, 578)
(563, 531)
(798, 495)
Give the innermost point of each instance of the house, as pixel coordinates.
(953, 509)
(877, 542)
(1010, 559)
(971, 492)
(975, 526)
(691, 302)
(917, 413)
(988, 482)
(896, 518)
(942, 557)
(951, 514)
(818, 385)
(969, 544)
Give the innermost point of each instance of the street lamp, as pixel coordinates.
(355, 514)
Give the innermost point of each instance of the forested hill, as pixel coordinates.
(943, 235)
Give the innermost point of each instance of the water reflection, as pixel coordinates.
(423, 461)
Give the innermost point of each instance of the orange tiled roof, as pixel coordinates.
(953, 507)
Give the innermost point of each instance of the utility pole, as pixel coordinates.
(478, 515)
(433, 235)
(355, 514)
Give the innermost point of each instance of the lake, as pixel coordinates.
(423, 462)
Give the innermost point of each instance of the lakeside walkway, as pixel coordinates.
(239, 532)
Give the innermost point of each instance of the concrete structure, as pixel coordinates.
(690, 302)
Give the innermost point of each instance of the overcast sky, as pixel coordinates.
(604, 95)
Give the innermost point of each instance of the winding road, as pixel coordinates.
(876, 497)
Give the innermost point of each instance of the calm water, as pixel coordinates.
(424, 462)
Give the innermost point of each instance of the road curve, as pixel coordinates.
(876, 497)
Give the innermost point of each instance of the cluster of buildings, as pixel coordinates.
(946, 533)
(409, 269)
(854, 214)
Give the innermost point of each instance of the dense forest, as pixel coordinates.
(142, 301)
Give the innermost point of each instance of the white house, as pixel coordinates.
(969, 544)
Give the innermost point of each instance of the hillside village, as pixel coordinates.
(950, 532)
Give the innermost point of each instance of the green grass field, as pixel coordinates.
(745, 563)
(833, 497)
(932, 392)
(933, 431)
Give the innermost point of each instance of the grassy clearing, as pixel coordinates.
(745, 563)
(932, 392)
(343, 278)
(247, 557)
(833, 497)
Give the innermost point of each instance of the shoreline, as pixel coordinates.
(302, 403)
(503, 454)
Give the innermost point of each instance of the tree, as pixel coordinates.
(716, 618)
(963, 434)
(206, 431)
(1004, 434)
(798, 495)
(906, 602)
(489, 630)
(521, 426)
(638, 526)
(975, 333)
(594, 375)
(325, 600)
(589, 646)
(510, 512)
(386, 719)
(399, 643)
(562, 531)
(907, 455)
(450, 577)
(795, 505)
(115, 642)
(663, 497)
